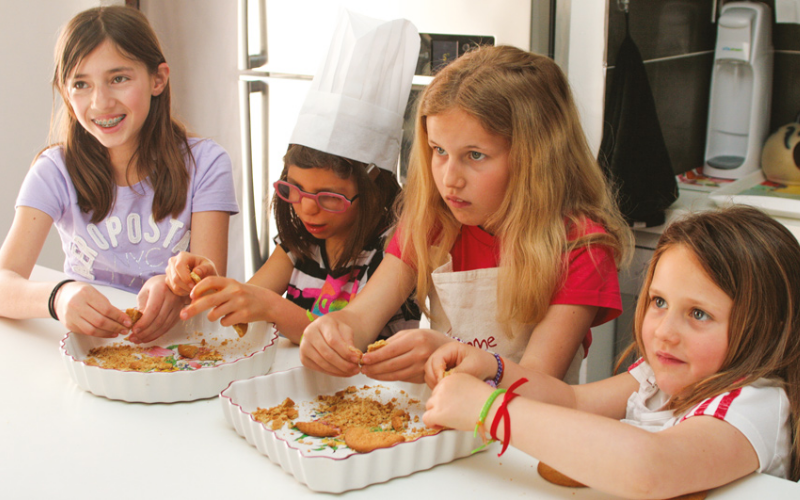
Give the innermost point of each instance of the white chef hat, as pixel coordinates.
(357, 99)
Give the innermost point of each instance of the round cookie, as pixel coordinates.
(553, 476)
(364, 440)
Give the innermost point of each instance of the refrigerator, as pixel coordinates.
(282, 42)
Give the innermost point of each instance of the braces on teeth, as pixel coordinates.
(109, 123)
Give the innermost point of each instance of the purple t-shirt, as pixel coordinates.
(127, 247)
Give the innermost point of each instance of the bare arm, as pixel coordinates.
(210, 238)
(260, 299)
(606, 397)
(556, 339)
(79, 306)
(20, 298)
(289, 318)
(698, 454)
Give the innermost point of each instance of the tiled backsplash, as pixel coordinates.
(676, 39)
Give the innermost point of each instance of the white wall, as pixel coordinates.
(580, 50)
(199, 38)
(28, 32)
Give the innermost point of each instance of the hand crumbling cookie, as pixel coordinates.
(240, 328)
(357, 351)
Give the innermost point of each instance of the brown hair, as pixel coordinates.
(555, 184)
(160, 156)
(375, 199)
(756, 262)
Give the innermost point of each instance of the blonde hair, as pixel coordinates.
(163, 144)
(555, 184)
(756, 262)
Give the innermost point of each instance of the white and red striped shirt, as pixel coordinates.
(759, 411)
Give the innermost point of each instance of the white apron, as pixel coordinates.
(464, 305)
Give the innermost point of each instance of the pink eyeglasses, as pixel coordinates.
(330, 202)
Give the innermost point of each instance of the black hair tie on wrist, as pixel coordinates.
(51, 304)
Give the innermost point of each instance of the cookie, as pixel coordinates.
(241, 328)
(188, 350)
(377, 345)
(364, 440)
(551, 475)
(134, 314)
(317, 429)
(399, 419)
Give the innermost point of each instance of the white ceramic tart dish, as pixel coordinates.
(336, 469)
(243, 357)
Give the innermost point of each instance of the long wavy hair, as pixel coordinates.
(375, 200)
(756, 262)
(555, 184)
(163, 145)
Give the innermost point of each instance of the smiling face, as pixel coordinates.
(329, 226)
(469, 165)
(685, 327)
(110, 97)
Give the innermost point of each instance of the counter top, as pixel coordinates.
(690, 200)
(59, 441)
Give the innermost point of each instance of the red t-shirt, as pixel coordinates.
(591, 280)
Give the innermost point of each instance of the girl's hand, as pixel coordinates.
(83, 309)
(230, 300)
(456, 402)
(457, 357)
(179, 267)
(327, 346)
(160, 309)
(404, 357)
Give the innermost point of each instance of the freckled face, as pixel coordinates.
(110, 96)
(469, 166)
(685, 328)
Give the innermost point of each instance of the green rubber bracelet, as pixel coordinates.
(486, 407)
(482, 418)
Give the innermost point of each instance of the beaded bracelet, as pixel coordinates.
(501, 366)
(502, 414)
(482, 418)
(51, 303)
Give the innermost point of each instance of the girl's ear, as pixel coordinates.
(160, 78)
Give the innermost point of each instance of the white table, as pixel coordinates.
(57, 441)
